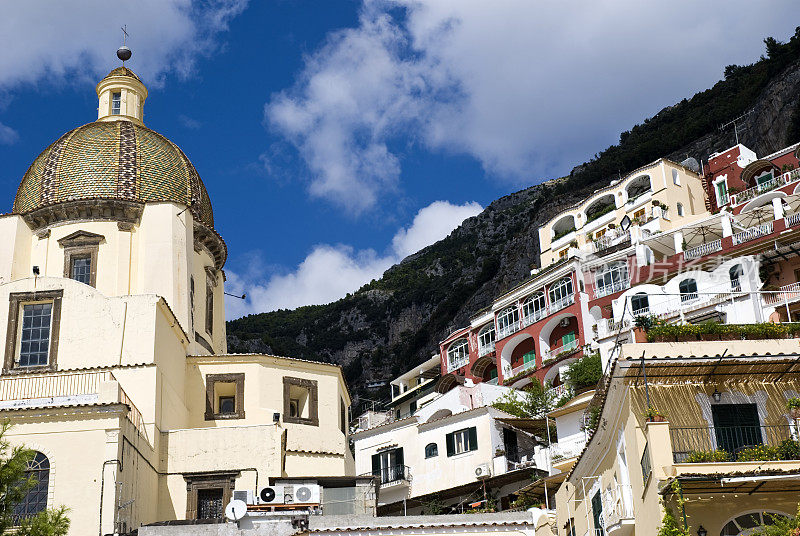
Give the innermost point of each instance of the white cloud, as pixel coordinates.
(329, 272)
(44, 40)
(8, 136)
(188, 122)
(527, 88)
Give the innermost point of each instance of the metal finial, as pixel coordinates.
(123, 52)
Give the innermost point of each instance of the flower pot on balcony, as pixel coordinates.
(795, 413)
(639, 335)
(657, 418)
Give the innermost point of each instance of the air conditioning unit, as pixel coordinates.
(307, 494)
(484, 470)
(271, 495)
(244, 495)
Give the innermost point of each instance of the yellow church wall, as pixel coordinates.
(15, 248)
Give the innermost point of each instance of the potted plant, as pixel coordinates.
(793, 405)
(653, 415)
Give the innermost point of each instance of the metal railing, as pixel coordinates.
(776, 182)
(485, 349)
(553, 353)
(730, 439)
(493, 381)
(564, 302)
(134, 415)
(752, 233)
(793, 219)
(703, 250)
(566, 450)
(530, 365)
(617, 504)
(458, 363)
(535, 316)
(560, 391)
(609, 240)
(508, 329)
(393, 474)
(645, 463)
(785, 294)
(615, 286)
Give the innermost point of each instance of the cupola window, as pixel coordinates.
(81, 269)
(116, 103)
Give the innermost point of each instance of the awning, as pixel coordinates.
(745, 483)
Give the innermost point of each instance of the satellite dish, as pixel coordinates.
(303, 494)
(267, 495)
(236, 510)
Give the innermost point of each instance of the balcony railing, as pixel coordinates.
(535, 316)
(530, 365)
(793, 219)
(752, 233)
(703, 250)
(52, 389)
(485, 349)
(751, 193)
(554, 352)
(608, 326)
(615, 286)
(393, 474)
(617, 504)
(731, 439)
(566, 449)
(785, 295)
(562, 303)
(493, 381)
(457, 363)
(609, 240)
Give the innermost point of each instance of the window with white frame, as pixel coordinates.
(534, 308)
(486, 339)
(507, 321)
(688, 290)
(721, 191)
(561, 293)
(612, 278)
(116, 103)
(640, 304)
(457, 355)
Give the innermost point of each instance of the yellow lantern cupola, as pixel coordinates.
(121, 95)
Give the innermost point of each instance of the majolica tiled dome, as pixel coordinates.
(113, 160)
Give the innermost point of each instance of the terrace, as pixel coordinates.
(740, 198)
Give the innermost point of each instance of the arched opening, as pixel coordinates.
(561, 294)
(638, 186)
(439, 414)
(560, 336)
(600, 207)
(507, 321)
(611, 278)
(534, 308)
(38, 471)
(640, 304)
(511, 358)
(743, 524)
(688, 290)
(563, 226)
(486, 339)
(457, 354)
(761, 174)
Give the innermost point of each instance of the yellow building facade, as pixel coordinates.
(115, 365)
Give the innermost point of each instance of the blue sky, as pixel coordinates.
(336, 137)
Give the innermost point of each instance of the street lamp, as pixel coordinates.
(717, 396)
(701, 531)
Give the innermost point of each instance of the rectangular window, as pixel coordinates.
(210, 284)
(116, 103)
(35, 334)
(462, 441)
(639, 214)
(389, 465)
(563, 253)
(224, 396)
(722, 192)
(81, 269)
(300, 402)
(32, 334)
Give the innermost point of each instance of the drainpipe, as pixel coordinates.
(102, 486)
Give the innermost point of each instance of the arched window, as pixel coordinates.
(676, 179)
(36, 500)
(743, 523)
(486, 339)
(640, 304)
(431, 450)
(561, 294)
(612, 278)
(507, 321)
(457, 355)
(638, 186)
(534, 308)
(735, 273)
(688, 290)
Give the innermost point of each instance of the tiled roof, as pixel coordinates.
(113, 159)
(122, 71)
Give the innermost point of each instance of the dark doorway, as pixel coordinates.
(209, 503)
(597, 512)
(736, 426)
(510, 445)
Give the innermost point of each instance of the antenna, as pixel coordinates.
(243, 296)
(123, 52)
(735, 127)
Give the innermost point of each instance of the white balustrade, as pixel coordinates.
(703, 250)
(752, 233)
(792, 219)
(751, 193)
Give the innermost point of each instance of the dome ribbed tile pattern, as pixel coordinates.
(113, 159)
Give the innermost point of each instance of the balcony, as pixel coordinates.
(783, 296)
(792, 219)
(752, 233)
(394, 475)
(615, 286)
(554, 353)
(534, 317)
(744, 196)
(566, 450)
(702, 250)
(618, 510)
(726, 443)
(608, 326)
(457, 363)
(563, 303)
(530, 365)
(485, 349)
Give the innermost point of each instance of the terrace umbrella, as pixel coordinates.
(756, 217)
(791, 203)
(702, 233)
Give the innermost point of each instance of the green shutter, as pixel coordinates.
(376, 464)
(473, 438)
(568, 338)
(451, 448)
(493, 374)
(528, 357)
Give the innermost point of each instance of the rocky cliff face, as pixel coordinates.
(394, 323)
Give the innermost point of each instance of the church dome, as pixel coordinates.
(119, 159)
